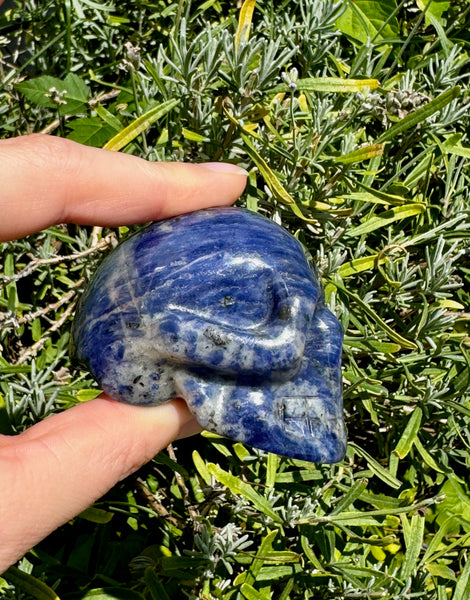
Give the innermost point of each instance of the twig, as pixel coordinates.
(35, 348)
(38, 262)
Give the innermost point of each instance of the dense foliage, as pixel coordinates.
(352, 118)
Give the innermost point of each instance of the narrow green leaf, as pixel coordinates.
(361, 264)
(271, 469)
(410, 433)
(250, 593)
(389, 216)
(141, 124)
(192, 136)
(265, 547)
(427, 458)
(420, 115)
(393, 335)
(273, 183)
(108, 117)
(329, 84)
(385, 197)
(376, 467)
(201, 467)
(361, 154)
(372, 345)
(29, 584)
(298, 476)
(414, 543)
(453, 146)
(462, 589)
(240, 487)
(350, 497)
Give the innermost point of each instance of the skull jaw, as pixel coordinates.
(300, 419)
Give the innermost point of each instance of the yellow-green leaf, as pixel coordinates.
(96, 515)
(141, 124)
(389, 216)
(360, 154)
(192, 136)
(361, 264)
(201, 467)
(329, 84)
(238, 486)
(276, 187)
(244, 22)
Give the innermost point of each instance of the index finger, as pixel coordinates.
(48, 180)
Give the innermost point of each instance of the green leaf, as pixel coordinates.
(201, 467)
(77, 96)
(96, 515)
(358, 265)
(271, 469)
(453, 146)
(273, 183)
(462, 589)
(440, 570)
(376, 467)
(154, 585)
(250, 593)
(351, 496)
(420, 115)
(29, 584)
(90, 131)
(72, 90)
(414, 542)
(37, 90)
(238, 486)
(409, 434)
(140, 125)
(456, 502)
(329, 84)
(396, 337)
(365, 20)
(389, 216)
(361, 154)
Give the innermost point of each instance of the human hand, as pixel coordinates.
(60, 466)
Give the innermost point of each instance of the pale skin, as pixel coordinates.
(60, 466)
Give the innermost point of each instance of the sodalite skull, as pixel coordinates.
(219, 307)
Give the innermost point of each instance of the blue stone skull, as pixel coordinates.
(222, 308)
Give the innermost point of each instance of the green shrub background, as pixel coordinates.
(352, 118)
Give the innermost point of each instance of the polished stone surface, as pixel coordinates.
(219, 307)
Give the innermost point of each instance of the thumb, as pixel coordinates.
(60, 466)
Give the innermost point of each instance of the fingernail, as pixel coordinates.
(221, 167)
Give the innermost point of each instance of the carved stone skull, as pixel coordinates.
(219, 307)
